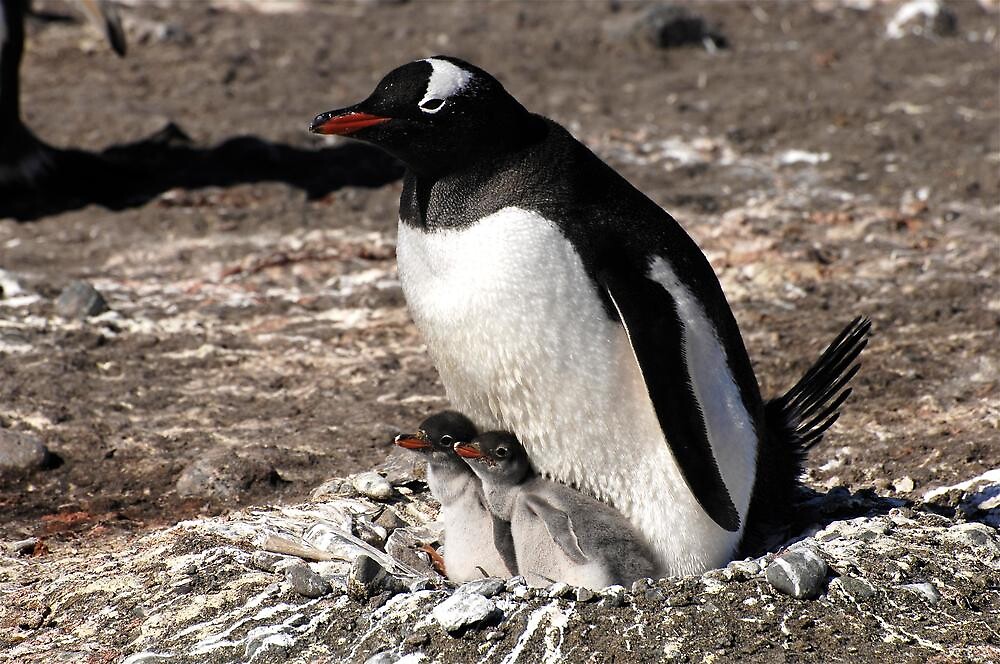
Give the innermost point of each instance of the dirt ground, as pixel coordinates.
(825, 169)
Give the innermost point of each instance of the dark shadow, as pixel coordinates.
(813, 511)
(130, 175)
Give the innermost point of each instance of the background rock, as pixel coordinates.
(20, 451)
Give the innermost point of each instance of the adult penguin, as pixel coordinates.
(561, 304)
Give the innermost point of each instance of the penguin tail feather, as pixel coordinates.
(793, 424)
(798, 419)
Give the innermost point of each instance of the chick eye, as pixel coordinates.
(447, 441)
(432, 104)
(502, 452)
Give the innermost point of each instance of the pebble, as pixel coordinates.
(368, 578)
(904, 485)
(462, 611)
(389, 520)
(20, 547)
(403, 546)
(333, 489)
(20, 450)
(266, 561)
(384, 657)
(857, 589)
(10, 285)
(584, 594)
(80, 300)
(372, 485)
(224, 475)
(560, 589)
(925, 590)
(741, 570)
(974, 534)
(613, 595)
(800, 573)
(306, 582)
(417, 639)
(369, 532)
(486, 587)
(663, 26)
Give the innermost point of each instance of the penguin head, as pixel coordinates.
(497, 453)
(434, 115)
(438, 434)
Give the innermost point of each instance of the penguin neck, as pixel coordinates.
(446, 193)
(448, 482)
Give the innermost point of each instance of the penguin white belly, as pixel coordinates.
(522, 343)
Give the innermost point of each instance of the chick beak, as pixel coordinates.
(412, 442)
(469, 450)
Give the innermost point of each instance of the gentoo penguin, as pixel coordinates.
(561, 304)
(476, 544)
(559, 534)
(25, 160)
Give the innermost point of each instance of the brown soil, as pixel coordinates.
(264, 316)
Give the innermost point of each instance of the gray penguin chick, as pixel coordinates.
(559, 533)
(477, 544)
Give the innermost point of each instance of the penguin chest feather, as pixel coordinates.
(523, 343)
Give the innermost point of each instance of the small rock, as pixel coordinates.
(306, 582)
(515, 582)
(10, 285)
(368, 578)
(21, 547)
(369, 532)
(741, 570)
(857, 589)
(654, 595)
(417, 639)
(20, 450)
(338, 487)
(927, 591)
(224, 475)
(402, 467)
(974, 534)
(613, 595)
(266, 561)
(80, 300)
(404, 547)
(663, 26)
(560, 589)
(420, 584)
(903, 485)
(486, 587)
(384, 657)
(372, 485)
(462, 611)
(584, 594)
(389, 520)
(800, 573)
(922, 17)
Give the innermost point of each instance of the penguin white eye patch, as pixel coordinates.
(446, 79)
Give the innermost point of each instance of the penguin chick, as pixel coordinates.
(559, 534)
(477, 544)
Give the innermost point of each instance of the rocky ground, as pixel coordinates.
(829, 161)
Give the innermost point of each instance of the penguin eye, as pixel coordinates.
(447, 441)
(501, 452)
(432, 105)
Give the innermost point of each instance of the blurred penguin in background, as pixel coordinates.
(25, 160)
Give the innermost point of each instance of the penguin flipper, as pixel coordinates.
(655, 331)
(560, 528)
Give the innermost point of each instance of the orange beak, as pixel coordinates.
(413, 442)
(469, 451)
